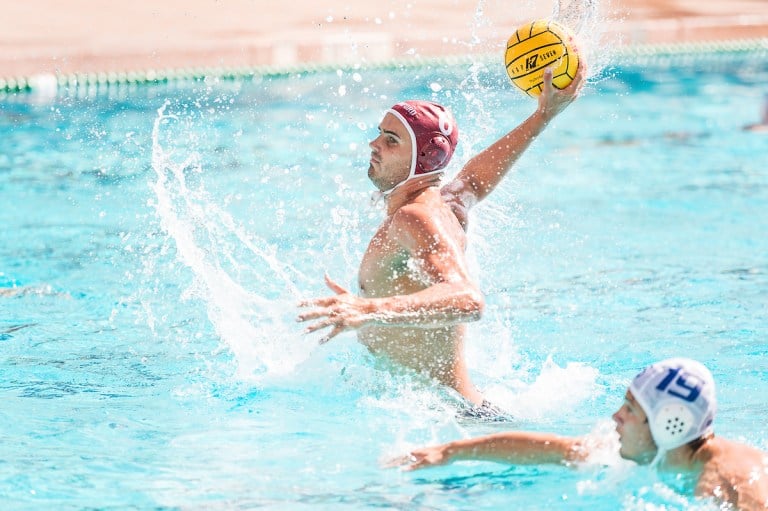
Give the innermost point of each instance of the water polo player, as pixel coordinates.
(415, 290)
(666, 419)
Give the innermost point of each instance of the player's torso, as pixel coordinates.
(387, 269)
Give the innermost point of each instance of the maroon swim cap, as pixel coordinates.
(434, 134)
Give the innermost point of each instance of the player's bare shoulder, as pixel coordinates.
(459, 196)
(734, 472)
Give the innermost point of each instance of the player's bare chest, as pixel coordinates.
(384, 259)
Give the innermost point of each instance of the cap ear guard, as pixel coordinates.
(434, 154)
(673, 422)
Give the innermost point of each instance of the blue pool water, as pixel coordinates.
(156, 240)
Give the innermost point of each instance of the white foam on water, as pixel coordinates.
(553, 391)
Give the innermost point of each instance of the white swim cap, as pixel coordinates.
(678, 397)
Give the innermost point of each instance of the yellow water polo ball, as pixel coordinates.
(534, 47)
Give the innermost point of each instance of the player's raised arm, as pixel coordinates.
(484, 172)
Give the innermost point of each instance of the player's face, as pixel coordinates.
(390, 154)
(634, 432)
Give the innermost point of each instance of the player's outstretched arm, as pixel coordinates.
(513, 447)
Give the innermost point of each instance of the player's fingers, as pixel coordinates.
(313, 314)
(319, 302)
(334, 286)
(336, 331)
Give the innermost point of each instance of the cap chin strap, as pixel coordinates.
(379, 195)
(658, 458)
(387, 193)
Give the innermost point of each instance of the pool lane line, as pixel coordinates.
(51, 84)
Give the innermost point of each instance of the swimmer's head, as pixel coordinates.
(434, 135)
(678, 398)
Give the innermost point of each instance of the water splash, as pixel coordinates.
(588, 21)
(251, 324)
(543, 396)
(578, 15)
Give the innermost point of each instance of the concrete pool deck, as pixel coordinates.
(50, 37)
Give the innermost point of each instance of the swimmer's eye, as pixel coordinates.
(633, 409)
(389, 138)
